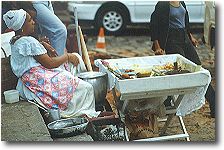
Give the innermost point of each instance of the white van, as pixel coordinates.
(115, 15)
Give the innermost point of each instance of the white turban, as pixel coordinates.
(14, 19)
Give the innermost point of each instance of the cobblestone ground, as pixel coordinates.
(199, 124)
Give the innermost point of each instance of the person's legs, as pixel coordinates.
(174, 48)
(52, 27)
(190, 52)
(175, 42)
(82, 103)
(192, 55)
(210, 97)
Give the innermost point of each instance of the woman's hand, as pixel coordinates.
(45, 39)
(73, 59)
(159, 51)
(50, 50)
(193, 40)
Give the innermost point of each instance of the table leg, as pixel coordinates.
(120, 115)
(126, 134)
(178, 101)
(172, 114)
(169, 118)
(183, 127)
(116, 101)
(123, 109)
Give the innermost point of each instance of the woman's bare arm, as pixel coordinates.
(157, 48)
(51, 62)
(54, 62)
(50, 50)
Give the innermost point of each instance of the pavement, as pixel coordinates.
(22, 121)
(25, 123)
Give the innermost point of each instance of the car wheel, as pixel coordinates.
(112, 19)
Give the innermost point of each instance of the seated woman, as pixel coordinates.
(40, 72)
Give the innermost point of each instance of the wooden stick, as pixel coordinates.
(84, 51)
(112, 54)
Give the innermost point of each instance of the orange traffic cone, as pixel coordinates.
(100, 44)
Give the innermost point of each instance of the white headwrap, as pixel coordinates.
(14, 19)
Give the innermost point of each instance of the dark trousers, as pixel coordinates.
(178, 42)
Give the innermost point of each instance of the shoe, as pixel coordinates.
(212, 114)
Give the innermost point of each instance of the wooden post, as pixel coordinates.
(84, 51)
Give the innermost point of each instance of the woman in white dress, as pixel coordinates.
(39, 72)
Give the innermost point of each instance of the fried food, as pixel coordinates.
(143, 74)
(125, 76)
(129, 70)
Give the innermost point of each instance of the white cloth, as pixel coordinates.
(14, 19)
(80, 68)
(83, 102)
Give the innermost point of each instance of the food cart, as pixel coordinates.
(188, 88)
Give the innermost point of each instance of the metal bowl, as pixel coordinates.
(99, 82)
(67, 127)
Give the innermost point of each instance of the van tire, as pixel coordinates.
(119, 22)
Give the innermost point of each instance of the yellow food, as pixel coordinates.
(143, 74)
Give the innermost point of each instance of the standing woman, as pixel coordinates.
(170, 33)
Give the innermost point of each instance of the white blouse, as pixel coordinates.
(22, 54)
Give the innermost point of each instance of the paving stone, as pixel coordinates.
(78, 138)
(22, 121)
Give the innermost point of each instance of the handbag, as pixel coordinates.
(8, 78)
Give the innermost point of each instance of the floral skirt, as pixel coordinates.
(51, 86)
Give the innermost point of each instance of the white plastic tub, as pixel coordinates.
(192, 86)
(11, 96)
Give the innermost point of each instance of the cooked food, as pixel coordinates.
(158, 70)
(129, 70)
(125, 76)
(172, 72)
(143, 74)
